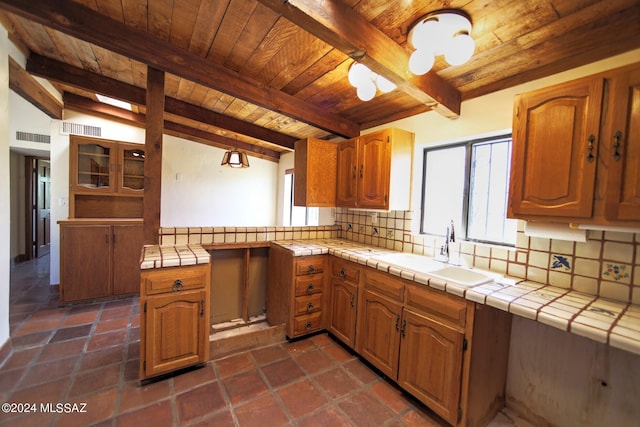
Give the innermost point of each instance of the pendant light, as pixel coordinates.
(234, 158)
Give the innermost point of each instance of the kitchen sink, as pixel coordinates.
(461, 276)
(409, 261)
(437, 269)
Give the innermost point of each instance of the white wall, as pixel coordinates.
(5, 221)
(197, 191)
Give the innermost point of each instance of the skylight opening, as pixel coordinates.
(114, 102)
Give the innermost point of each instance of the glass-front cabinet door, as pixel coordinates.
(94, 168)
(131, 168)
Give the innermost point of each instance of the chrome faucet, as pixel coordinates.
(449, 237)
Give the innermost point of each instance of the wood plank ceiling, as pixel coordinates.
(261, 74)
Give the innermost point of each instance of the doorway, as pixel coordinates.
(38, 206)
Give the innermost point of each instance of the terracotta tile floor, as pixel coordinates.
(89, 354)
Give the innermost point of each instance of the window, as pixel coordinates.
(468, 184)
(296, 215)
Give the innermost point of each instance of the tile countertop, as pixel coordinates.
(155, 256)
(606, 321)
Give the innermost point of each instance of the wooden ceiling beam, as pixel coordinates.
(82, 104)
(337, 24)
(26, 86)
(86, 24)
(69, 75)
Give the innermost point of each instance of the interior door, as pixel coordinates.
(43, 208)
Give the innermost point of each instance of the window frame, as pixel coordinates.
(462, 229)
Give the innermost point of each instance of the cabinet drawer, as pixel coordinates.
(308, 304)
(345, 270)
(309, 284)
(307, 323)
(309, 265)
(174, 279)
(446, 308)
(384, 283)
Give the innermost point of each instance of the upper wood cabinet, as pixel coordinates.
(621, 148)
(106, 178)
(374, 171)
(315, 173)
(576, 151)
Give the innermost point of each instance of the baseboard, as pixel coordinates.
(6, 351)
(245, 339)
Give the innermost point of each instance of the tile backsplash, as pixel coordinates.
(607, 264)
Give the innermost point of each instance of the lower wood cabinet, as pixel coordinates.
(174, 318)
(295, 292)
(99, 259)
(430, 364)
(448, 352)
(343, 291)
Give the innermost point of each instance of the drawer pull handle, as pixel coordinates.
(311, 269)
(404, 325)
(310, 287)
(616, 144)
(307, 326)
(343, 273)
(309, 307)
(397, 323)
(177, 286)
(592, 140)
(201, 308)
(353, 298)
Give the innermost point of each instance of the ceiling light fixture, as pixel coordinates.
(367, 82)
(443, 32)
(235, 159)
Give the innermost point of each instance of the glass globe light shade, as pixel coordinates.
(425, 34)
(358, 73)
(366, 90)
(460, 49)
(421, 61)
(384, 84)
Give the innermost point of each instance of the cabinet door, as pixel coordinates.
(85, 262)
(622, 200)
(131, 168)
(92, 165)
(342, 310)
(431, 363)
(347, 173)
(176, 331)
(373, 170)
(127, 243)
(378, 332)
(555, 144)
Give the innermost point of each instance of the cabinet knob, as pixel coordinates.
(616, 145)
(307, 326)
(343, 273)
(177, 286)
(311, 269)
(309, 307)
(310, 287)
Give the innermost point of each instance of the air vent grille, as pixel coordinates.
(68, 128)
(33, 137)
